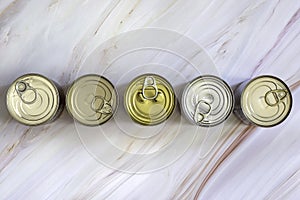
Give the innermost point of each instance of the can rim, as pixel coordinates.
(68, 94)
(288, 89)
(149, 74)
(218, 78)
(56, 92)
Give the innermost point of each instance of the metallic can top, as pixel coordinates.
(149, 99)
(91, 100)
(207, 101)
(266, 101)
(33, 99)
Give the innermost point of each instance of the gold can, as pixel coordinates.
(33, 99)
(149, 99)
(264, 101)
(91, 100)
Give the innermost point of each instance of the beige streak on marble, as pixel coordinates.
(244, 38)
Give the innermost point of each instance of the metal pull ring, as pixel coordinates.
(106, 107)
(202, 110)
(150, 82)
(275, 97)
(22, 88)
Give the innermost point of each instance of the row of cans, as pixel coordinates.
(149, 99)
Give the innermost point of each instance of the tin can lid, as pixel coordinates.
(91, 100)
(266, 101)
(149, 99)
(33, 99)
(207, 101)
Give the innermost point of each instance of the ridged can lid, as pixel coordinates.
(266, 101)
(207, 101)
(91, 100)
(149, 99)
(33, 99)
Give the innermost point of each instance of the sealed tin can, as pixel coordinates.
(91, 100)
(264, 101)
(207, 101)
(149, 99)
(33, 99)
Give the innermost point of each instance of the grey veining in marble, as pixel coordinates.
(178, 39)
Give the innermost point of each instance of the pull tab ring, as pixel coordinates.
(21, 87)
(150, 82)
(200, 116)
(106, 108)
(278, 95)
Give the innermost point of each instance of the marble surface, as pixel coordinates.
(180, 39)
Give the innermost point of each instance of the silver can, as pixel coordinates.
(207, 101)
(264, 101)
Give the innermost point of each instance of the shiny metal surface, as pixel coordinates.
(264, 101)
(149, 99)
(207, 101)
(33, 99)
(91, 100)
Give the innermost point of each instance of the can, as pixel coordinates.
(33, 99)
(149, 99)
(91, 100)
(207, 101)
(264, 101)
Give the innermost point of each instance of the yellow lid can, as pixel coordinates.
(149, 99)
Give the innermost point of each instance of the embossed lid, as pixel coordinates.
(91, 100)
(149, 99)
(207, 101)
(266, 101)
(32, 99)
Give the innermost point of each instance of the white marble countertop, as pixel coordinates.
(180, 39)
